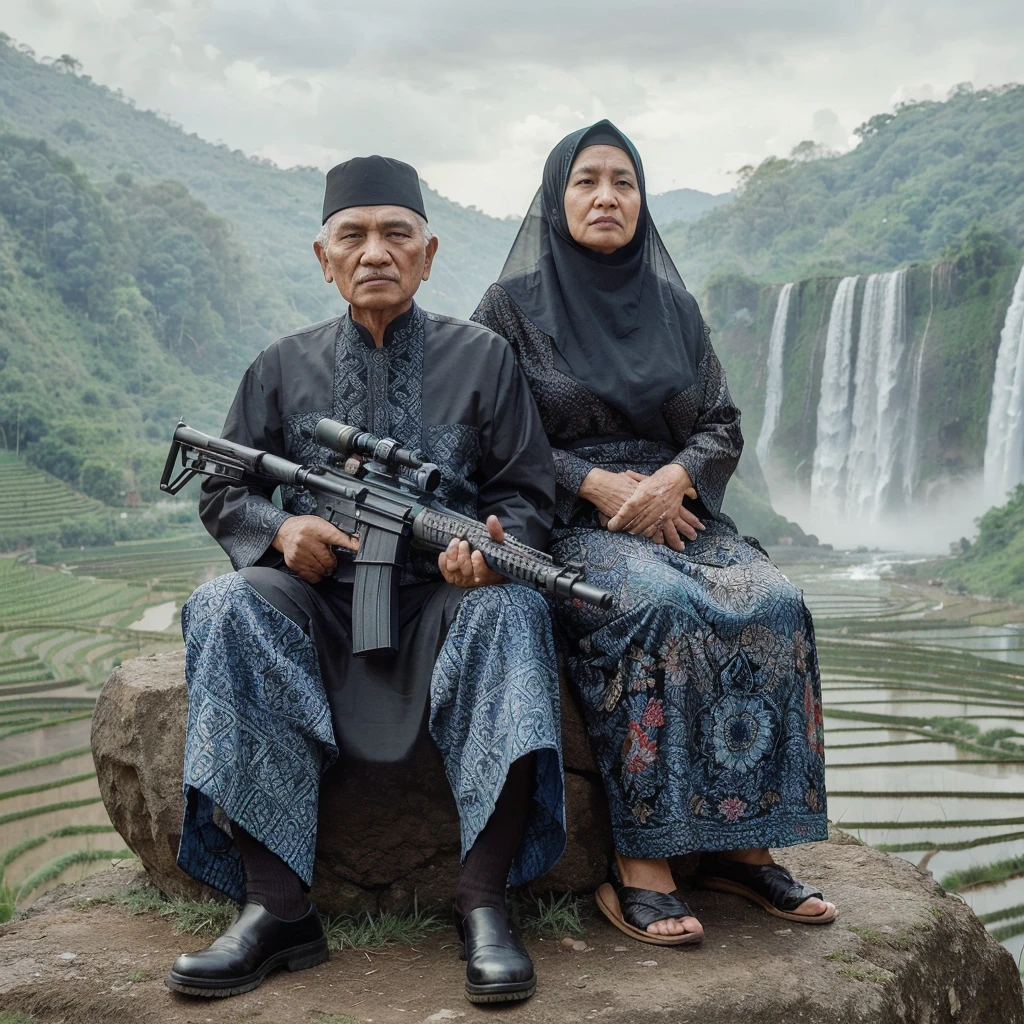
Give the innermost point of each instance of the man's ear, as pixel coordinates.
(321, 255)
(428, 259)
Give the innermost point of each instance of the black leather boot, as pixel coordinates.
(256, 944)
(498, 968)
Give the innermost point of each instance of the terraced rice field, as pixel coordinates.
(61, 632)
(924, 719)
(924, 715)
(30, 498)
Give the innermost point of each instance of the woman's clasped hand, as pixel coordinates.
(647, 506)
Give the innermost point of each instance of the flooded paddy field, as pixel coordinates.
(923, 692)
(924, 722)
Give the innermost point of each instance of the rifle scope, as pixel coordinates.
(352, 441)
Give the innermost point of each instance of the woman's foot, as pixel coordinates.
(656, 876)
(812, 907)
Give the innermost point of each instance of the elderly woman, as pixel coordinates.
(700, 687)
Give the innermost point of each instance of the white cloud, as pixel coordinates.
(476, 94)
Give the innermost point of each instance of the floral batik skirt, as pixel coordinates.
(701, 693)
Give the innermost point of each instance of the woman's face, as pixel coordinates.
(602, 198)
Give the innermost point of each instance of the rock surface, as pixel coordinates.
(386, 832)
(903, 952)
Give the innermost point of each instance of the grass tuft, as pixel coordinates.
(842, 956)
(866, 934)
(337, 1018)
(16, 1018)
(378, 931)
(196, 917)
(553, 917)
(210, 917)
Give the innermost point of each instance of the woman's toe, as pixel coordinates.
(813, 907)
(675, 926)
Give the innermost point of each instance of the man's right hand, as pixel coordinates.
(306, 542)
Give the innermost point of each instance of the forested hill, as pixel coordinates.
(918, 180)
(120, 310)
(275, 213)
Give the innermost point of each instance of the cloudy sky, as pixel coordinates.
(475, 93)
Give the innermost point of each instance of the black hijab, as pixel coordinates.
(623, 324)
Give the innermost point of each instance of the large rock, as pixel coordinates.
(386, 832)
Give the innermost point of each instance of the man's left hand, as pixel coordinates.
(466, 569)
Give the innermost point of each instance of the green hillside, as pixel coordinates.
(118, 313)
(916, 182)
(994, 564)
(275, 212)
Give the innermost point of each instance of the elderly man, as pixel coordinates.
(274, 690)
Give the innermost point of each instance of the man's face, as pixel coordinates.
(376, 256)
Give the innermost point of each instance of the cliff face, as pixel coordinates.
(921, 347)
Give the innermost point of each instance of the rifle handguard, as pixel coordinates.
(509, 558)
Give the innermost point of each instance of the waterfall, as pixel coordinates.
(912, 451)
(833, 438)
(865, 451)
(773, 386)
(879, 402)
(1004, 444)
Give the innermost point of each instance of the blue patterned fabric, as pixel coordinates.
(259, 730)
(701, 693)
(259, 734)
(493, 700)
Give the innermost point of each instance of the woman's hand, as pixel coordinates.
(307, 543)
(466, 569)
(608, 491)
(655, 508)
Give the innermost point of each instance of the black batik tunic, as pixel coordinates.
(700, 685)
(273, 688)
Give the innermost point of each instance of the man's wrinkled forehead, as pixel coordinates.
(381, 218)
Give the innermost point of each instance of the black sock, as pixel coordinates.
(485, 873)
(268, 880)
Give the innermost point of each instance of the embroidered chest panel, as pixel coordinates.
(381, 390)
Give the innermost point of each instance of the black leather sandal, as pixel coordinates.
(770, 886)
(498, 968)
(631, 910)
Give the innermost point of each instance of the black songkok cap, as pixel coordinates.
(372, 181)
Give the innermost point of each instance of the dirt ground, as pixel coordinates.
(902, 951)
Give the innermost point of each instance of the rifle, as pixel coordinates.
(382, 495)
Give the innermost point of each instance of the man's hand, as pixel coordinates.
(655, 509)
(306, 542)
(466, 569)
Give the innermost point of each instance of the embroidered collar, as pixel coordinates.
(398, 331)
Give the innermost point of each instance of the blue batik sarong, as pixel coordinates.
(701, 693)
(260, 735)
